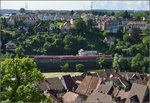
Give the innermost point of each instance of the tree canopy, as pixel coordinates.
(140, 63)
(18, 77)
(22, 10)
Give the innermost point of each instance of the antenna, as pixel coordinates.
(26, 5)
(91, 5)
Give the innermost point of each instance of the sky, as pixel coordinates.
(77, 5)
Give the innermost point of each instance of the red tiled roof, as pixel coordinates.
(123, 94)
(138, 90)
(97, 97)
(88, 85)
(70, 97)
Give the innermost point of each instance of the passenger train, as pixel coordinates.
(72, 57)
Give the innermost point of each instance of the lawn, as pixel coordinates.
(60, 74)
(59, 24)
(12, 32)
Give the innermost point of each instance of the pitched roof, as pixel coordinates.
(122, 94)
(119, 79)
(97, 97)
(70, 97)
(106, 73)
(69, 82)
(139, 90)
(115, 92)
(136, 23)
(51, 84)
(127, 75)
(134, 77)
(11, 45)
(88, 85)
(104, 88)
(78, 78)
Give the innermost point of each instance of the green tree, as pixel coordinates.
(139, 63)
(3, 23)
(72, 12)
(89, 24)
(106, 33)
(19, 52)
(80, 26)
(74, 43)
(118, 62)
(22, 10)
(80, 67)
(103, 63)
(65, 67)
(127, 38)
(112, 13)
(135, 34)
(126, 14)
(17, 80)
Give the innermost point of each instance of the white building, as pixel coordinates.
(136, 24)
(82, 52)
(6, 16)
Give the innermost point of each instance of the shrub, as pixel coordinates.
(80, 67)
(65, 67)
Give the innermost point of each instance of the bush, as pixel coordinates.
(65, 67)
(80, 67)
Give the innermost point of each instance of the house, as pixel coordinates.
(71, 97)
(52, 86)
(110, 24)
(115, 92)
(85, 16)
(139, 78)
(29, 21)
(10, 46)
(52, 26)
(97, 97)
(111, 76)
(10, 21)
(45, 16)
(71, 21)
(118, 82)
(136, 24)
(51, 97)
(68, 83)
(6, 16)
(122, 94)
(65, 28)
(88, 85)
(110, 40)
(104, 74)
(57, 18)
(133, 77)
(22, 29)
(105, 89)
(138, 93)
(127, 75)
(82, 52)
(78, 79)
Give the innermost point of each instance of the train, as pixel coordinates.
(71, 57)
